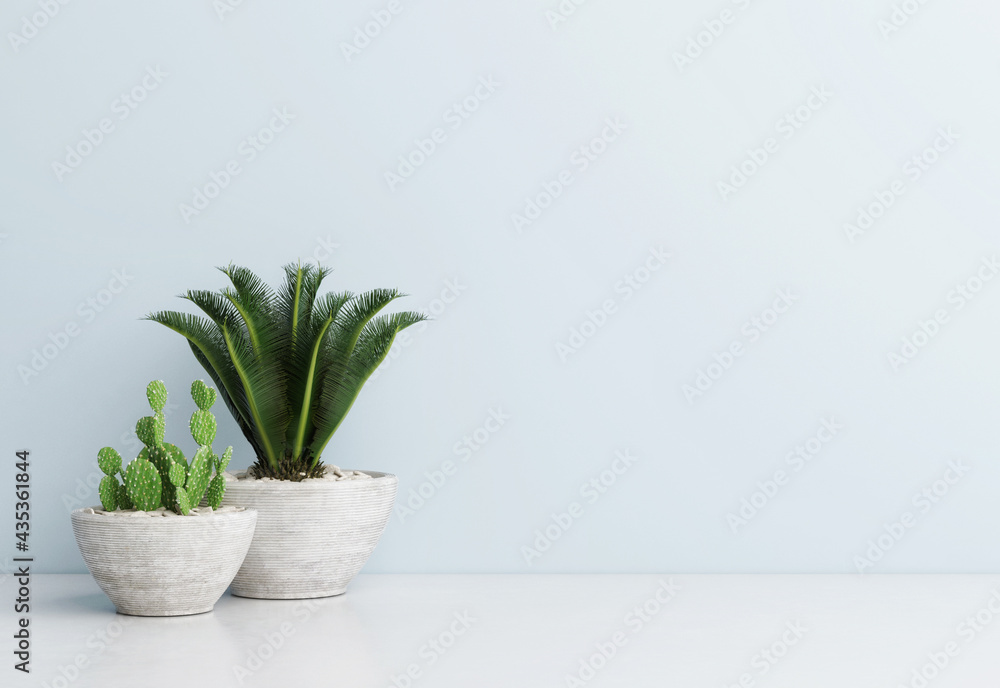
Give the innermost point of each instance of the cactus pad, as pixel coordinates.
(162, 457)
(199, 474)
(184, 503)
(109, 492)
(203, 427)
(143, 484)
(177, 474)
(150, 430)
(216, 489)
(176, 455)
(157, 456)
(123, 501)
(224, 460)
(156, 392)
(203, 395)
(110, 462)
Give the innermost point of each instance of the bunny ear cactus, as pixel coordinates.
(160, 475)
(142, 482)
(199, 474)
(203, 395)
(124, 502)
(156, 392)
(217, 488)
(203, 427)
(151, 430)
(177, 475)
(110, 463)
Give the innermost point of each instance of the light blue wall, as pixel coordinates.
(508, 295)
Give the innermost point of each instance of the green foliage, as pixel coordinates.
(156, 392)
(223, 461)
(150, 430)
(203, 395)
(123, 500)
(109, 489)
(215, 490)
(177, 474)
(110, 461)
(160, 475)
(203, 427)
(199, 473)
(184, 503)
(288, 364)
(142, 483)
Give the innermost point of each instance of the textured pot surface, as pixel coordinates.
(312, 537)
(155, 566)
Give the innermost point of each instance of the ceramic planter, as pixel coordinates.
(163, 566)
(312, 537)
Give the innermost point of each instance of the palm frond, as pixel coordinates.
(263, 390)
(339, 392)
(352, 320)
(253, 299)
(309, 365)
(205, 337)
(288, 364)
(296, 297)
(238, 412)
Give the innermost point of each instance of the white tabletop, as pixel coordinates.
(521, 631)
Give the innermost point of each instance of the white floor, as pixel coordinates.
(520, 631)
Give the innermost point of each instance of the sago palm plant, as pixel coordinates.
(290, 364)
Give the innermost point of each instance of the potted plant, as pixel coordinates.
(149, 547)
(289, 366)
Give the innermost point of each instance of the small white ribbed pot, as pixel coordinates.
(312, 537)
(164, 566)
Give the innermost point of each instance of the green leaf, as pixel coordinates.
(339, 393)
(205, 339)
(253, 299)
(311, 364)
(288, 363)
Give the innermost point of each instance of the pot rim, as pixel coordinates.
(244, 511)
(313, 484)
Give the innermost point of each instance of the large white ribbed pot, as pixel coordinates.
(312, 537)
(163, 566)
